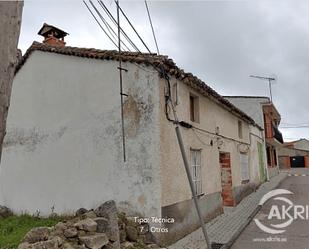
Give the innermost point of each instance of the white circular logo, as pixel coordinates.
(275, 212)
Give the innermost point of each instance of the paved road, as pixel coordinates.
(296, 235)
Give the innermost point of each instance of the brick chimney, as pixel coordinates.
(52, 35)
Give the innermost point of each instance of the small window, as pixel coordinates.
(244, 165)
(196, 170)
(175, 94)
(194, 108)
(268, 155)
(275, 157)
(239, 129)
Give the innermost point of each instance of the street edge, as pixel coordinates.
(255, 211)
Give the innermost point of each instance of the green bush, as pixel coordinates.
(14, 228)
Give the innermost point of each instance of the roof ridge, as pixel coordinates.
(244, 96)
(157, 61)
(39, 45)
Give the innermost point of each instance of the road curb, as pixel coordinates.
(245, 224)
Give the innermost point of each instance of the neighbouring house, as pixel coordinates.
(63, 148)
(294, 154)
(265, 114)
(300, 144)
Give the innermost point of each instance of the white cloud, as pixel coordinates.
(222, 42)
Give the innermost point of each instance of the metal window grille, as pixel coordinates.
(196, 170)
(244, 164)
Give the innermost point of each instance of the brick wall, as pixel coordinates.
(226, 180)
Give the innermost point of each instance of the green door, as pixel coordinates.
(261, 162)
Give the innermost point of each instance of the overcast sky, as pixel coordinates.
(221, 42)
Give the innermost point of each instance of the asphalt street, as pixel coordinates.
(296, 235)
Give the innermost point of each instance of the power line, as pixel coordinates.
(218, 135)
(103, 20)
(108, 27)
(109, 14)
(99, 24)
(153, 33)
(294, 127)
(295, 124)
(133, 28)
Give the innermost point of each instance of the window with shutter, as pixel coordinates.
(196, 171)
(194, 108)
(244, 166)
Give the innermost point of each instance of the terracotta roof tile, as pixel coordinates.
(148, 59)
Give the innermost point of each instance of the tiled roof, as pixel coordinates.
(157, 61)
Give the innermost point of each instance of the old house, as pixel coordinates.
(63, 148)
(267, 116)
(294, 154)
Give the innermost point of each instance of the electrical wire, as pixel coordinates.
(144, 69)
(153, 33)
(201, 141)
(168, 99)
(104, 21)
(160, 70)
(288, 124)
(99, 24)
(294, 127)
(222, 136)
(108, 27)
(112, 18)
(109, 14)
(125, 16)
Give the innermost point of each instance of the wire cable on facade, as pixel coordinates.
(109, 14)
(203, 142)
(218, 135)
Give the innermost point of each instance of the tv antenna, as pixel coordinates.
(269, 79)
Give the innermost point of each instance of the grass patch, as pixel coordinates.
(140, 245)
(14, 228)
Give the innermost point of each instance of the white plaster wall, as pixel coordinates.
(251, 106)
(63, 148)
(175, 187)
(256, 135)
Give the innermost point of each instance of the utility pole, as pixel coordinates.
(121, 86)
(192, 187)
(269, 79)
(188, 171)
(10, 22)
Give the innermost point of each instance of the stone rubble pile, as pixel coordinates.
(102, 228)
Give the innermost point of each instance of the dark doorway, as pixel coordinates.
(297, 162)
